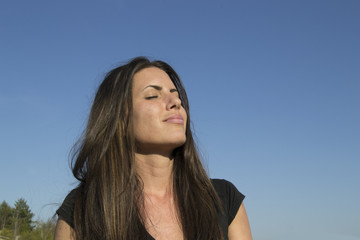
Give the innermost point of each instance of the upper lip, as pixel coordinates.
(174, 116)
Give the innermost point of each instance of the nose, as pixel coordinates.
(173, 102)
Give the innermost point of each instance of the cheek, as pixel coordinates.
(137, 120)
(145, 119)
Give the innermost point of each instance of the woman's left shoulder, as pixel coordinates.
(230, 197)
(234, 214)
(225, 187)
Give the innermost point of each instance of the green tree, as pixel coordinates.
(6, 213)
(22, 218)
(6, 234)
(42, 231)
(17, 224)
(46, 229)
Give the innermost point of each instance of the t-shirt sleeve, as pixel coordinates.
(230, 197)
(235, 200)
(66, 210)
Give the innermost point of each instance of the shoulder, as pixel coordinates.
(230, 197)
(224, 188)
(220, 183)
(66, 210)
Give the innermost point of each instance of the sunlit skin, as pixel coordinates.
(159, 119)
(159, 128)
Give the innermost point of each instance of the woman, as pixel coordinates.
(139, 172)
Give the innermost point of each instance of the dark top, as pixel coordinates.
(230, 197)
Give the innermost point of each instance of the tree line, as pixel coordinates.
(16, 223)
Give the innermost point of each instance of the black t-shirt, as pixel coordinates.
(230, 197)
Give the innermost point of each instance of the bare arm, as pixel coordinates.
(239, 228)
(63, 231)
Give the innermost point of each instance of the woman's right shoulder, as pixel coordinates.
(65, 224)
(66, 211)
(63, 231)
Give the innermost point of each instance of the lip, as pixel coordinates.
(176, 118)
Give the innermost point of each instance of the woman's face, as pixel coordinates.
(159, 118)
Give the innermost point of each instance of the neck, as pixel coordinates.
(156, 173)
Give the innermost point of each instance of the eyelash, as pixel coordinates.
(151, 97)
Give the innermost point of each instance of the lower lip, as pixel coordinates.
(175, 120)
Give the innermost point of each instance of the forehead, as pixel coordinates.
(153, 76)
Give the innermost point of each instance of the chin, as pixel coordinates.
(179, 144)
(167, 145)
(176, 143)
(180, 141)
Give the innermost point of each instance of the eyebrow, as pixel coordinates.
(159, 88)
(153, 86)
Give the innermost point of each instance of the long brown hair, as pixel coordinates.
(107, 204)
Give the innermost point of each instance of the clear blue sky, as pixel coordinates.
(274, 88)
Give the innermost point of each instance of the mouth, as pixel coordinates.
(176, 118)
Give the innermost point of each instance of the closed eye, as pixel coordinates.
(173, 90)
(151, 97)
